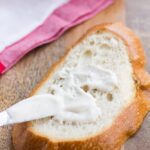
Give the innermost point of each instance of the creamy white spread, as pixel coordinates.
(71, 101)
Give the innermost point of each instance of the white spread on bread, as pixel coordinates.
(69, 102)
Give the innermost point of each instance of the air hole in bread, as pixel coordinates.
(51, 117)
(63, 122)
(85, 88)
(95, 90)
(88, 53)
(92, 42)
(52, 91)
(105, 45)
(98, 32)
(61, 78)
(109, 97)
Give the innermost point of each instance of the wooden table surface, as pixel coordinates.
(138, 18)
(17, 83)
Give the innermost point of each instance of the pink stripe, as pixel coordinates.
(2, 68)
(72, 13)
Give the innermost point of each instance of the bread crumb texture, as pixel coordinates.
(101, 49)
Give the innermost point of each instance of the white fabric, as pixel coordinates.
(20, 17)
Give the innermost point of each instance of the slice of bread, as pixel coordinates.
(111, 47)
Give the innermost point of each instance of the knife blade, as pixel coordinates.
(35, 107)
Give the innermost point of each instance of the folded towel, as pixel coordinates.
(26, 25)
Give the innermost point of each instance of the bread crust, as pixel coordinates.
(125, 125)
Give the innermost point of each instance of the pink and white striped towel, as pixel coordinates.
(25, 25)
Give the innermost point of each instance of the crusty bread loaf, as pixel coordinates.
(112, 47)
